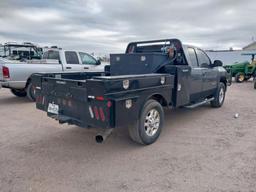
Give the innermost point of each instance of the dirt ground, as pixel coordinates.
(203, 149)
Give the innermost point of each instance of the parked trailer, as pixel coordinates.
(134, 90)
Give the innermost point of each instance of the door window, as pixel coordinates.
(87, 59)
(192, 55)
(71, 57)
(203, 59)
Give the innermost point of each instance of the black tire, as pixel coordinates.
(239, 77)
(142, 134)
(247, 78)
(219, 96)
(30, 92)
(254, 82)
(19, 92)
(254, 75)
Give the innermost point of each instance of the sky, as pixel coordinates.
(106, 26)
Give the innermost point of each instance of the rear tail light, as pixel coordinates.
(40, 100)
(101, 113)
(102, 116)
(99, 98)
(96, 113)
(6, 73)
(109, 104)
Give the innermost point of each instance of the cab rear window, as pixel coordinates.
(51, 55)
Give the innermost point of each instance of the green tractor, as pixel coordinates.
(243, 71)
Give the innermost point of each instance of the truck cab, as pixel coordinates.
(204, 73)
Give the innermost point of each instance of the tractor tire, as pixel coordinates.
(247, 78)
(148, 128)
(239, 77)
(31, 92)
(19, 92)
(219, 96)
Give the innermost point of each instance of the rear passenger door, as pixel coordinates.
(209, 73)
(196, 83)
(72, 61)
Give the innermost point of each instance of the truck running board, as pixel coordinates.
(200, 103)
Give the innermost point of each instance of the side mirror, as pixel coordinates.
(217, 63)
(98, 62)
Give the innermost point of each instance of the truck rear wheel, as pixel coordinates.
(31, 92)
(19, 92)
(219, 96)
(240, 77)
(148, 128)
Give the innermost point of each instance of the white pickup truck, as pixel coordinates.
(15, 75)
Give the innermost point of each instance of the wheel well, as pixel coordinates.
(160, 99)
(28, 81)
(224, 80)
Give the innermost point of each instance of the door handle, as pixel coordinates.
(68, 67)
(86, 67)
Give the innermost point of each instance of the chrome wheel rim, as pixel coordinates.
(221, 95)
(152, 122)
(241, 78)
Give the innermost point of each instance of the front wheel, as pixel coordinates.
(219, 96)
(148, 128)
(239, 77)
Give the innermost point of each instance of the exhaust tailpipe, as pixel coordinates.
(103, 135)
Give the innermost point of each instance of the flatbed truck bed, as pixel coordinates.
(133, 90)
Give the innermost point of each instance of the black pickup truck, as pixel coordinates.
(134, 89)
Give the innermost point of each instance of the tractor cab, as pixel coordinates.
(253, 58)
(250, 69)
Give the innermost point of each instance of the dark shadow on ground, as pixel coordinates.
(13, 100)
